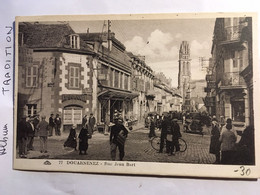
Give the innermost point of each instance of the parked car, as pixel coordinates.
(193, 123)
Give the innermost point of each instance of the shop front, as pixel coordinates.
(114, 102)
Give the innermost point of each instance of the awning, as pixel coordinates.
(113, 93)
(150, 93)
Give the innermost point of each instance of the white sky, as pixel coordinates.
(159, 41)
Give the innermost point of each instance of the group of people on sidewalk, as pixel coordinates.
(27, 129)
(54, 123)
(224, 146)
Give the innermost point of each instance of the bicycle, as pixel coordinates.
(155, 143)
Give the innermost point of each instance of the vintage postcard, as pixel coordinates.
(158, 94)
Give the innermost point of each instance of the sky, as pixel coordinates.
(159, 41)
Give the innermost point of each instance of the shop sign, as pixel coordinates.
(67, 97)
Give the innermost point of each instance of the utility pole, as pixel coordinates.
(109, 34)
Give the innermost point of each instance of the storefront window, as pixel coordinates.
(239, 111)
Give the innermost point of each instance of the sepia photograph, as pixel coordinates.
(162, 94)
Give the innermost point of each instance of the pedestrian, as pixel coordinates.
(118, 136)
(71, 141)
(91, 123)
(51, 124)
(83, 140)
(246, 148)
(30, 135)
(57, 122)
(228, 140)
(152, 128)
(176, 135)
(165, 123)
(214, 140)
(22, 131)
(169, 138)
(43, 128)
(84, 121)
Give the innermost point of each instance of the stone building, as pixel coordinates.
(55, 73)
(113, 72)
(232, 69)
(142, 84)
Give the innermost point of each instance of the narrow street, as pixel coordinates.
(137, 148)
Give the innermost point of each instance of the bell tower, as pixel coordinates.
(184, 75)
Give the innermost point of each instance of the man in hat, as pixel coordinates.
(165, 123)
(118, 131)
(43, 134)
(51, 124)
(57, 122)
(91, 123)
(31, 132)
(22, 133)
(176, 135)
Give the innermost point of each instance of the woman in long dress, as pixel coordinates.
(71, 141)
(214, 141)
(83, 140)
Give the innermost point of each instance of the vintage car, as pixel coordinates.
(193, 123)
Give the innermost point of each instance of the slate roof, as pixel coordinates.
(46, 36)
(117, 56)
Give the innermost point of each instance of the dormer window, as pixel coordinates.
(74, 41)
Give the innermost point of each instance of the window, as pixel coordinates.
(72, 115)
(126, 82)
(74, 77)
(32, 76)
(74, 41)
(116, 84)
(32, 109)
(111, 77)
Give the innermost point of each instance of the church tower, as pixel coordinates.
(184, 76)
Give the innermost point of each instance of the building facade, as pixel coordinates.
(142, 84)
(232, 64)
(55, 73)
(113, 71)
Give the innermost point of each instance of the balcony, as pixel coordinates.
(232, 34)
(232, 79)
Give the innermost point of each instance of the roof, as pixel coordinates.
(117, 56)
(46, 36)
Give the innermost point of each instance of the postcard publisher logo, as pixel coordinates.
(47, 162)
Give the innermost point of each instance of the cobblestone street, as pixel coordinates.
(138, 148)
